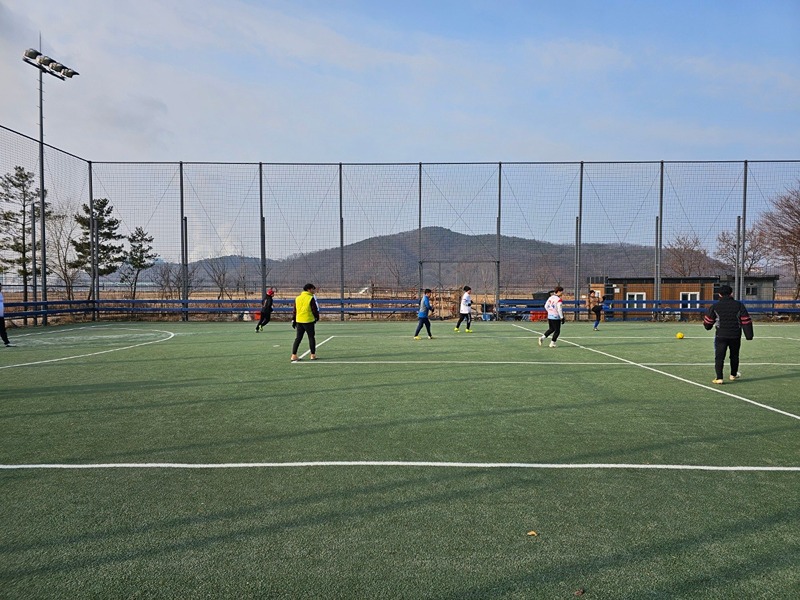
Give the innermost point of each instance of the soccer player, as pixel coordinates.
(465, 311)
(3, 333)
(731, 318)
(425, 309)
(595, 307)
(304, 316)
(266, 310)
(555, 316)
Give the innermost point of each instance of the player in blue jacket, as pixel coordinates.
(425, 309)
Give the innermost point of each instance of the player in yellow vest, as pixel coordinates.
(304, 316)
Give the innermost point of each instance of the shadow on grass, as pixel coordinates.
(163, 538)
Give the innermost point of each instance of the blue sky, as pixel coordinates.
(373, 81)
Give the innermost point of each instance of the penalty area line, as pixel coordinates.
(400, 463)
(307, 352)
(676, 377)
(170, 335)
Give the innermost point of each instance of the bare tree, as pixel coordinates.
(242, 274)
(61, 230)
(782, 225)
(164, 278)
(168, 277)
(686, 256)
(218, 273)
(756, 248)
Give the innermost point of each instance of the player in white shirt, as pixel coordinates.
(465, 311)
(555, 316)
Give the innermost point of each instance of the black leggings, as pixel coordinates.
(3, 333)
(303, 328)
(554, 327)
(464, 317)
(721, 346)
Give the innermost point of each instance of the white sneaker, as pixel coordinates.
(541, 339)
(735, 377)
(552, 344)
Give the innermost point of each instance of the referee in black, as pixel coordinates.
(731, 319)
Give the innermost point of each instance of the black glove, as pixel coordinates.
(294, 325)
(563, 320)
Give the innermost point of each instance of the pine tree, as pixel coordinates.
(140, 256)
(110, 256)
(17, 218)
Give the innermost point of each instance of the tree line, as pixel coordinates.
(775, 236)
(69, 239)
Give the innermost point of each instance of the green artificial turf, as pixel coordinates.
(489, 437)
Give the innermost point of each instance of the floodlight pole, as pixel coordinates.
(43, 255)
(44, 64)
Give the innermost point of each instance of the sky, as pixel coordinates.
(414, 81)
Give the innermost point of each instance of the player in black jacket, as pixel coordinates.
(731, 318)
(266, 310)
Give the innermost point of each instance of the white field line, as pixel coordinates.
(169, 334)
(463, 362)
(478, 363)
(398, 463)
(307, 352)
(741, 363)
(681, 379)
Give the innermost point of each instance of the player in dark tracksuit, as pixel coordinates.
(266, 310)
(731, 319)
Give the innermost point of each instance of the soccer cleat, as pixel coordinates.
(10, 345)
(469, 330)
(430, 337)
(595, 329)
(735, 377)
(717, 381)
(416, 337)
(552, 344)
(456, 329)
(312, 357)
(541, 339)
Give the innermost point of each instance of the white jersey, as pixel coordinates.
(554, 308)
(466, 304)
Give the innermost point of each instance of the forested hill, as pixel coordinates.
(393, 260)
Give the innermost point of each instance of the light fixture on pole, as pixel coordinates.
(45, 64)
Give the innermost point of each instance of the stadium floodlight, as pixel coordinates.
(48, 65)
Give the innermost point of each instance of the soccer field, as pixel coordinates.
(193, 460)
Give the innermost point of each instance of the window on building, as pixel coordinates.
(636, 299)
(690, 300)
(751, 290)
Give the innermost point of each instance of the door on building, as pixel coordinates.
(689, 301)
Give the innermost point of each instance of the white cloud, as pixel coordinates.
(249, 81)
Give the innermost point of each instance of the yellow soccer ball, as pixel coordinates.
(679, 335)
